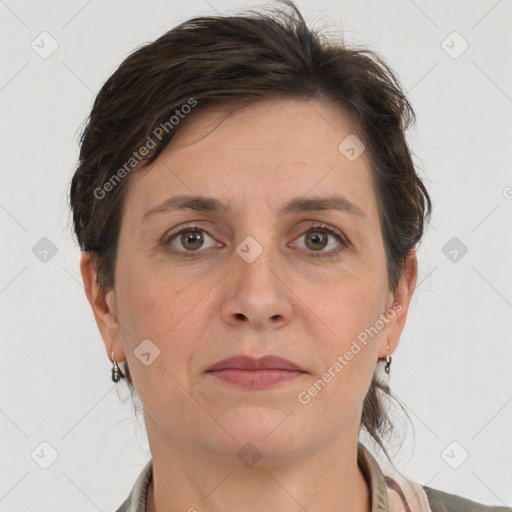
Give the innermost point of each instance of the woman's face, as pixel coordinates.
(254, 277)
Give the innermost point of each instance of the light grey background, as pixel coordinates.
(452, 368)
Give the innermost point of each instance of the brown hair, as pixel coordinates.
(238, 60)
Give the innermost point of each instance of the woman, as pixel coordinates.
(248, 213)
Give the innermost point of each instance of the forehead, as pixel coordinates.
(272, 150)
(264, 126)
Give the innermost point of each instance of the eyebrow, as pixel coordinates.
(297, 205)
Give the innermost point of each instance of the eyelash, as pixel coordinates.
(320, 227)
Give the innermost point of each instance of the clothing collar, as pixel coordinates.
(136, 501)
(374, 479)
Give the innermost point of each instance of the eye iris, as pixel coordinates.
(315, 237)
(195, 237)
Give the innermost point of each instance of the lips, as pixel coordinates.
(250, 363)
(256, 374)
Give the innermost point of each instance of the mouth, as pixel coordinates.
(250, 373)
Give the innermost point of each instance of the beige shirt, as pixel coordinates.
(383, 497)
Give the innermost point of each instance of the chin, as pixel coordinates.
(271, 434)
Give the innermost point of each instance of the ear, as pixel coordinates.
(398, 307)
(104, 308)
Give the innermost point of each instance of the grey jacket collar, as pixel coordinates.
(136, 501)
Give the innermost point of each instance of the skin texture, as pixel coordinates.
(287, 302)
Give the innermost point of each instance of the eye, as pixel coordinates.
(317, 238)
(189, 239)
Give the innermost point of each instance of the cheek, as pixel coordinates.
(349, 355)
(348, 306)
(152, 309)
(161, 313)
(153, 305)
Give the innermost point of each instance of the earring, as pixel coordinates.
(116, 371)
(388, 359)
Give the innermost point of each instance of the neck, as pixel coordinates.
(193, 481)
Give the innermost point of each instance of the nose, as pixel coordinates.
(256, 292)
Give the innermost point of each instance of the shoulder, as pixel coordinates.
(440, 501)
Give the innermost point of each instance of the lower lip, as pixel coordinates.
(256, 379)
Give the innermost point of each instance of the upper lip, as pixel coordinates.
(250, 363)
